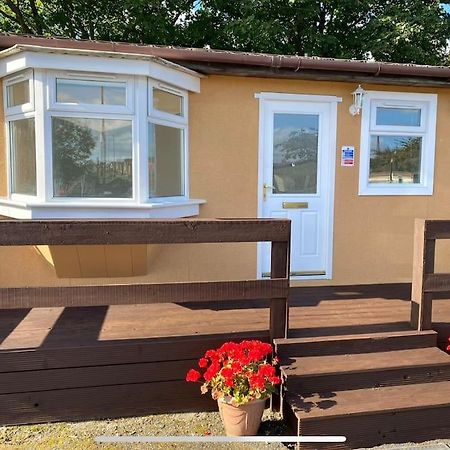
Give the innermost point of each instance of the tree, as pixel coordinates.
(413, 31)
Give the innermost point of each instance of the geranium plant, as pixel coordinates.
(237, 373)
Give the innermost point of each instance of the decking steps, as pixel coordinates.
(360, 343)
(354, 371)
(398, 390)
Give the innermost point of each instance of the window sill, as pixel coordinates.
(79, 210)
(399, 190)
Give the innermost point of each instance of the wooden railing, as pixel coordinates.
(426, 283)
(275, 290)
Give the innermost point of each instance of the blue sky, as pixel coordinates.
(446, 7)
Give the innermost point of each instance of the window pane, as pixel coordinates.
(90, 92)
(395, 159)
(167, 102)
(23, 157)
(405, 117)
(92, 157)
(166, 161)
(295, 148)
(18, 93)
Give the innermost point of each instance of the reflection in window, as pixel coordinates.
(406, 117)
(23, 157)
(395, 159)
(92, 157)
(166, 164)
(90, 92)
(18, 93)
(295, 148)
(167, 102)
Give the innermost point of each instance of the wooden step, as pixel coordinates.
(360, 370)
(369, 417)
(360, 343)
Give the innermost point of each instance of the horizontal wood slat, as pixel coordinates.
(436, 282)
(124, 294)
(118, 352)
(103, 402)
(61, 232)
(77, 377)
(437, 229)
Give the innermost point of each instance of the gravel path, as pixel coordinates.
(80, 435)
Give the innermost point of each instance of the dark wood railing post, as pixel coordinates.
(279, 309)
(423, 265)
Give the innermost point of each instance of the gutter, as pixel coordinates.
(206, 56)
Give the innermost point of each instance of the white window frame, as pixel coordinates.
(138, 109)
(53, 104)
(427, 103)
(86, 111)
(15, 113)
(158, 117)
(17, 78)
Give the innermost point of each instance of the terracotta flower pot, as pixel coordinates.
(242, 420)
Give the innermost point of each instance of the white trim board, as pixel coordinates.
(97, 62)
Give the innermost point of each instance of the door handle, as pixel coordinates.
(265, 187)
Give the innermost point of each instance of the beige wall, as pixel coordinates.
(372, 235)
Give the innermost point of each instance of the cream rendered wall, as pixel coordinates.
(372, 235)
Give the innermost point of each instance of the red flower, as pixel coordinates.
(193, 375)
(266, 370)
(202, 362)
(211, 371)
(275, 380)
(227, 372)
(229, 382)
(257, 382)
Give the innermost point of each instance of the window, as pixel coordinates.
(90, 92)
(397, 144)
(19, 93)
(97, 144)
(167, 128)
(22, 156)
(92, 157)
(19, 109)
(92, 147)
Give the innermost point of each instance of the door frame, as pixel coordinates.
(329, 172)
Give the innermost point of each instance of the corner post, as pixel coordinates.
(423, 264)
(279, 310)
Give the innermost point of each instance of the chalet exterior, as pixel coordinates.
(102, 315)
(103, 130)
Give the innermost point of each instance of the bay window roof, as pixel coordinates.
(94, 134)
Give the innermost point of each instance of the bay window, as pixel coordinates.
(83, 145)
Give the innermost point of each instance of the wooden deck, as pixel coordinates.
(314, 311)
(81, 362)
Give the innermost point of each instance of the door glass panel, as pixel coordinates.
(295, 149)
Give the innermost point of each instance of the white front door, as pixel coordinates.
(297, 165)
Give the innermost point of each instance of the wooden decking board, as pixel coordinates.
(368, 401)
(117, 352)
(102, 402)
(365, 362)
(380, 428)
(77, 377)
(364, 343)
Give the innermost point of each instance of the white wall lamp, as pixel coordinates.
(358, 95)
